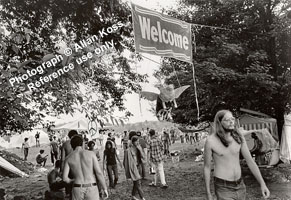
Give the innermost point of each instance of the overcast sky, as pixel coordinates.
(140, 109)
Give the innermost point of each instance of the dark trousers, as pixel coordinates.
(142, 170)
(54, 155)
(58, 185)
(137, 189)
(25, 153)
(112, 169)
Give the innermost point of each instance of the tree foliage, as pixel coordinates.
(242, 58)
(33, 31)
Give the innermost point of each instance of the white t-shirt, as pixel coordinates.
(25, 145)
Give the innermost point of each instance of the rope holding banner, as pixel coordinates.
(195, 90)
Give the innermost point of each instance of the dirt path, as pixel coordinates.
(185, 180)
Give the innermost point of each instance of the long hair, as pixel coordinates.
(111, 149)
(220, 132)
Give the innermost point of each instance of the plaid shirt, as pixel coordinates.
(156, 149)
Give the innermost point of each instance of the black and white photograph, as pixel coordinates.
(145, 99)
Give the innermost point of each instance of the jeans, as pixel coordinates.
(159, 168)
(226, 190)
(85, 193)
(110, 169)
(137, 189)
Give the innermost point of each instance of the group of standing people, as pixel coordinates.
(25, 145)
(140, 151)
(83, 177)
(41, 157)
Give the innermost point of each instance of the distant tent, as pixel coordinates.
(75, 125)
(18, 139)
(4, 164)
(269, 135)
(249, 122)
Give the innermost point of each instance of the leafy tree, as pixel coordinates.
(244, 63)
(34, 31)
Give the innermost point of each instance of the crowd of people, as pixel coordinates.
(79, 171)
(74, 158)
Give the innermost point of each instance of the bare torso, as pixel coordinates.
(81, 166)
(226, 159)
(67, 148)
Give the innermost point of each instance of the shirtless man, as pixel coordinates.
(84, 166)
(67, 148)
(224, 145)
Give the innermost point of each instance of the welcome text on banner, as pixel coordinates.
(161, 35)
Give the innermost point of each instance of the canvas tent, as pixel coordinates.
(268, 135)
(76, 125)
(249, 122)
(11, 168)
(17, 140)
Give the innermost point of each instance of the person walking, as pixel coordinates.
(155, 152)
(85, 170)
(132, 157)
(109, 159)
(225, 145)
